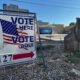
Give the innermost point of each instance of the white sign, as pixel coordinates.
(17, 39)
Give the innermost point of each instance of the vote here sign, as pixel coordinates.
(17, 39)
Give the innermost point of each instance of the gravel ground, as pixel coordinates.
(56, 68)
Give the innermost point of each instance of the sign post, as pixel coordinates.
(42, 56)
(17, 36)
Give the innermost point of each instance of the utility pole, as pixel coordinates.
(77, 32)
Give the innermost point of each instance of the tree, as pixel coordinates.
(72, 24)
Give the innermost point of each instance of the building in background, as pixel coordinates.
(55, 31)
(56, 28)
(13, 7)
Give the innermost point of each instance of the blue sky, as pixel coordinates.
(55, 11)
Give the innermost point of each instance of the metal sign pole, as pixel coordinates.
(42, 53)
(41, 49)
(23, 12)
(78, 46)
